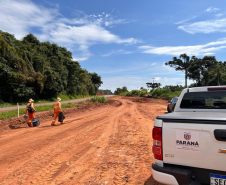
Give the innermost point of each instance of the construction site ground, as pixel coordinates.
(101, 144)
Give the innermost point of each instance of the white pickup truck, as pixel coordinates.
(189, 145)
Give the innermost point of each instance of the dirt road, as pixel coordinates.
(108, 144)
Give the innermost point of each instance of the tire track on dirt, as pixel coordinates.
(97, 118)
(120, 155)
(108, 145)
(81, 177)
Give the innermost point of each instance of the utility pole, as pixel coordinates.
(153, 79)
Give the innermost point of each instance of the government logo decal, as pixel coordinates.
(187, 135)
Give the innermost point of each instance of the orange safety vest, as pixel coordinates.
(32, 106)
(57, 107)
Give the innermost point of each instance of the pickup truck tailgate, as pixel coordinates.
(194, 142)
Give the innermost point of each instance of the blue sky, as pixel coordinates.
(126, 42)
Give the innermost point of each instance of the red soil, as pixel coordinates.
(99, 144)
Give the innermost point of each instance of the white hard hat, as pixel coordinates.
(58, 99)
(31, 100)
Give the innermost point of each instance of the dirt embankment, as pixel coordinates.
(99, 144)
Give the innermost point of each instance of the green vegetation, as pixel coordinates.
(71, 97)
(62, 96)
(41, 71)
(169, 91)
(119, 90)
(139, 93)
(124, 93)
(153, 85)
(165, 93)
(105, 91)
(130, 93)
(98, 99)
(13, 113)
(206, 71)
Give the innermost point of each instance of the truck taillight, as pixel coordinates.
(157, 142)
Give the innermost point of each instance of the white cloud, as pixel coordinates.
(185, 20)
(107, 23)
(145, 47)
(157, 79)
(220, 15)
(210, 9)
(80, 59)
(116, 52)
(20, 16)
(196, 50)
(85, 35)
(112, 52)
(209, 26)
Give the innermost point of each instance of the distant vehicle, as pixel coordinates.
(147, 96)
(172, 104)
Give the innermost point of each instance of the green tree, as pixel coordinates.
(153, 85)
(106, 91)
(180, 65)
(173, 88)
(96, 80)
(206, 71)
(41, 70)
(124, 89)
(120, 90)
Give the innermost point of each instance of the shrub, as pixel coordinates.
(134, 92)
(143, 92)
(165, 93)
(98, 99)
(124, 93)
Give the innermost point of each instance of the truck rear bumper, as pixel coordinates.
(172, 175)
(164, 178)
(183, 174)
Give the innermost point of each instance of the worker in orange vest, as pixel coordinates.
(57, 110)
(31, 114)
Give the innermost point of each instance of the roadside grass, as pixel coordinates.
(156, 93)
(13, 113)
(62, 96)
(3, 104)
(98, 99)
(165, 93)
(135, 93)
(80, 102)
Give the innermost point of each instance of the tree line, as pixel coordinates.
(30, 68)
(206, 71)
(106, 91)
